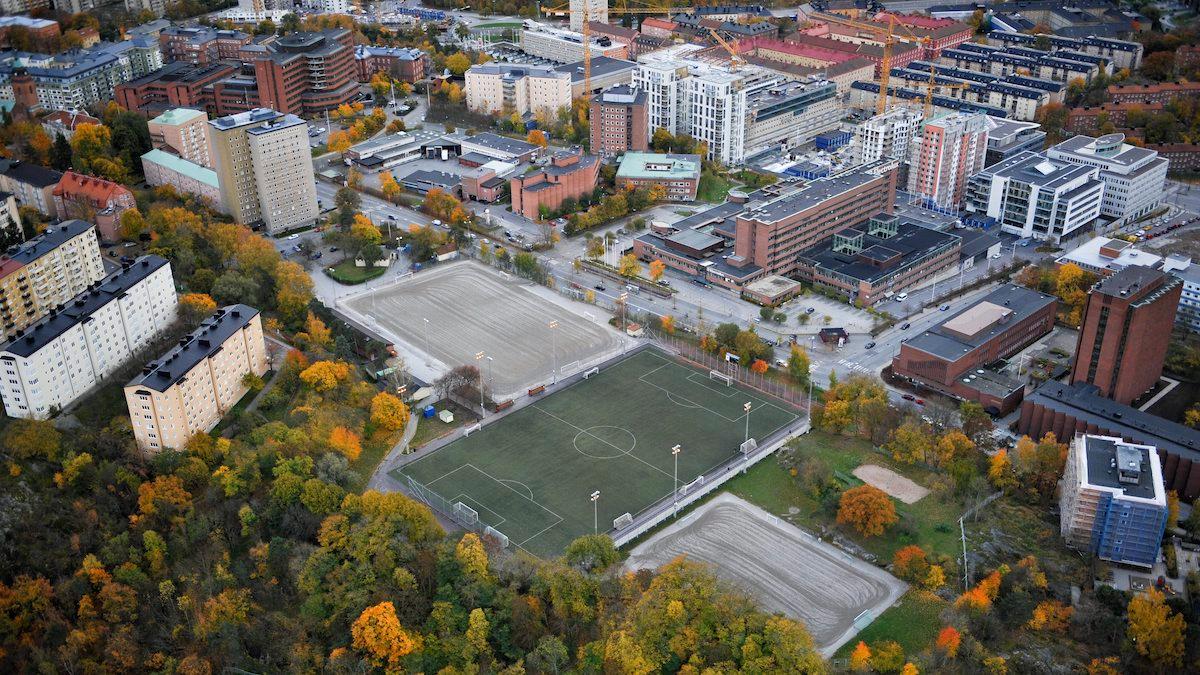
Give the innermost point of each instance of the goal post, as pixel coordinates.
(591, 371)
(716, 375)
(465, 514)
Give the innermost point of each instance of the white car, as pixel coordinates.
(293, 237)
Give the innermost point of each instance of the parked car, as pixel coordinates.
(944, 308)
(908, 397)
(920, 401)
(293, 237)
(869, 345)
(905, 325)
(810, 310)
(600, 287)
(901, 297)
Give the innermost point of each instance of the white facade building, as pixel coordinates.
(1033, 196)
(69, 352)
(565, 46)
(597, 10)
(495, 87)
(887, 136)
(1133, 177)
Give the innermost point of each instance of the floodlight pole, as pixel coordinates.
(428, 353)
(479, 357)
(595, 512)
(812, 370)
(554, 348)
(746, 407)
(675, 453)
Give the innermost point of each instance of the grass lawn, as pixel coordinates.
(433, 428)
(373, 451)
(914, 622)
(347, 273)
(108, 402)
(930, 523)
(713, 188)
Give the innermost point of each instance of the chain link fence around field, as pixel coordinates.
(784, 391)
(460, 513)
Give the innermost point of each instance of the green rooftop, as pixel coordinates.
(182, 166)
(652, 165)
(178, 116)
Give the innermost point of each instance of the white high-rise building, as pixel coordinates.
(660, 79)
(1033, 196)
(72, 350)
(949, 150)
(1133, 177)
(264, 167)
(887, 136)
(597, 10)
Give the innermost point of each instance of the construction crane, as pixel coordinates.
(889, 40)
(932, 84)
(735, 61)
(587, 33)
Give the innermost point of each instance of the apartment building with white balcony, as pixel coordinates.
(187, 390)
(1033, 196)
(496, 87)
(75, 348)
(47, 271)
(1133, 177)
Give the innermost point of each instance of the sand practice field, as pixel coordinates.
(454, 311)
(786, 569)
(891, 482)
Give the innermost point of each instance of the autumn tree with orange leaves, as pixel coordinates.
(867, 509)
(377, 633)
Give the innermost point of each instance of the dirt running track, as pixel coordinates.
(783, 567)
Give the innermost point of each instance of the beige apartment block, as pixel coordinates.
(47, 271)
(182, 132)
(189, 389)
(264, 168)
(494, 87)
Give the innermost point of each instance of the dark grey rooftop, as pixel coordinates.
(1083, 402)
(194, 347)
(81, 307)
(622, 94)
(602, 66)
(1105, 457)
(811, 195)
(446, 180)
(1128, 281)
(32, 174)
(52, 238)
(502, 143)
(942, 343)
(1035, 168)
(912, 242)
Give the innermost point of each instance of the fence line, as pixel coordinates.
(443, 506)
(783, 391)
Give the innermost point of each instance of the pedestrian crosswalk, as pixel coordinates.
(855, 366)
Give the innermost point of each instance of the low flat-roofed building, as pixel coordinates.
(1112, 503)
(772, 290)
(1104, 256)
(422, 181)
(951, 357)
(870, 261)
(679, 175)
(499, 147)
(187, 390)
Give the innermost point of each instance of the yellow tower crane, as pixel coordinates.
(932, 84)
(587, 33)
(735, 61)
(888, 35)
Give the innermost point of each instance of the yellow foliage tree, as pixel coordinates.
(668, 324)
(458, 63)
(1156, 632)
(860, 658)
(909, 669)
(377, 632)
(953, 445)
(325, 375)
(1000, 471)
(346, 442)
(316, 333)
(389, 412)
(629, 266)
(867, 509)
(195, 307)
(657, 267)
(1050, 615)
(471, 557)
(936, 578)
(537, 137)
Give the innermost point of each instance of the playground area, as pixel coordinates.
(533, 474)
(442, 318)
(786, 569)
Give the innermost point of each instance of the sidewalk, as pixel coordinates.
(381, 479)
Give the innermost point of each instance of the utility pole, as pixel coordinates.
(966, 574)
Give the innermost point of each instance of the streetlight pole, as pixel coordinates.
(428, 354)
(746, 407)
(812, 371)
(554, 345)
(595, 513)
(675, 453)
(479, 357)
(624, 298)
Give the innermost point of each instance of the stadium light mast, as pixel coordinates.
(595, 512)
(479, 357)
(554, 345)
(675, 453)
(428, 354)
(746, 407)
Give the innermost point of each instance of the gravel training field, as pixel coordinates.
(454, 311)
(786, 569)
(891, 482)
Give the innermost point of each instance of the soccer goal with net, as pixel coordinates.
(591, 372)
(727, 379)
(465, 514)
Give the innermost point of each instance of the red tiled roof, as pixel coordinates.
(98, 191)
(655, 22)
(69, 120)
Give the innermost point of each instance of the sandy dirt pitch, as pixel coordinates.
(787, 570)
(891, 482)
(471, 309)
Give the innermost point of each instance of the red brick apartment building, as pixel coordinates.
(402, 63)
(1125, 331)
(771, 235)
(301, 73)
(949, 356)
(1087, 120)
(570, 173)
(199, 45)
(1152, 93)
(620, 121)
